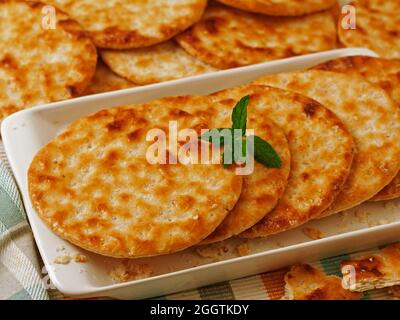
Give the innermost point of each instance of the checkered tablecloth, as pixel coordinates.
(21, 275)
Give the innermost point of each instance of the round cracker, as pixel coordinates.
(384, 73)
(105, 80)
(39, 65)
(162, 62)
(281, 7)
(321, 154)
(370, 115)
(377, 27)
(264, 187)
(127, 24)
(228, 38)
(94, 187)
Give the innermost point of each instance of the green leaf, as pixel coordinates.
(239, 114)
(227, 162)
(265, 154)
(239, 148)
(208, 136)
(244, 150)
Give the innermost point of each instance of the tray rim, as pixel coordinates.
(6, 129)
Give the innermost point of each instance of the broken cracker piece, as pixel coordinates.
(213, 251)
(312, 233)
(374, 271)
(243, 249)
(304, 282)
(361, 215)
(80, 258)
(63, 259)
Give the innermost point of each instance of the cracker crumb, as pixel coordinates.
(361, 215)
(80, 258)
(60, 248)
(129, 270)
(312, 233)
(390, 205)
(243, 249)
(378, 223)
(345, 220)
(383, 221)
(280, 244)
(212, 251)
(64, 259)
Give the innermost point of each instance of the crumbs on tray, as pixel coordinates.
(361, 215)
(62, 259)
(80, 258)
(243, 249)
(129, 270)
(220, 250)
(212, 251)
(312, 233)
(66, 258)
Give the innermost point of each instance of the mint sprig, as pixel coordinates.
(263, 152)
(239, 115)
(208, 136)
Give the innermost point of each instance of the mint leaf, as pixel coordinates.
(240, 154)
(265, 154)
(262, 151)
(239, 114)
(220, 133)
(227, 156)
(208, 136)
(244, 150)
(239, 147)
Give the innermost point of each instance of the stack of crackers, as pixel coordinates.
(336, 134)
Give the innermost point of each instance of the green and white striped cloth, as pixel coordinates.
(20, 271)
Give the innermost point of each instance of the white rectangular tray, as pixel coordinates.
(26, 132)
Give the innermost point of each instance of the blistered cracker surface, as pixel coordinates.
(93, 186)
(228, 38)
(158, 63)
(125, 24)
(39, 65)
(371, 117)
(264, 187)
(105, 80)
(281, 7)
(384, 73)
(377, 27)
(321, 155)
